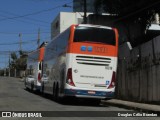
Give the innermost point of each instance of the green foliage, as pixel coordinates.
(18, 63)
(13, 56)
(131, 12)
(142, 11)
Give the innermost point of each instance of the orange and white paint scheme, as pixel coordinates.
(82, 62)
(34, 69)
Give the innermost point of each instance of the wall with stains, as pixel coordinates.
(138, 76)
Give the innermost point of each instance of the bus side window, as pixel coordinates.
(40, 66)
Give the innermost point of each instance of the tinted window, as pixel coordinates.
(40, 68)
(98, 35)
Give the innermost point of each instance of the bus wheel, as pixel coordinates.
(42, 89)
(32, 86)
(53, 96)
(57, 97)
(25, 83)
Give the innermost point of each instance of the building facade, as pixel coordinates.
(64, 20)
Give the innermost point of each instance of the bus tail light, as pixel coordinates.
(69, 77)
(39, 77)
(112, 84)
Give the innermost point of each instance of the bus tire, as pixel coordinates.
(57, 96)
(42, 89)
(32, 87)
(56, 92)
(53, 95)
(25, 83)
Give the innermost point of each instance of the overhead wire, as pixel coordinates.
(8, 52)
(22, 32)
(10, 13)
(24, 42)
(21, 16)
(34, 13)
(24, 21)
(15, 16)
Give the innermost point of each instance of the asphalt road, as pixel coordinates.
(14, 97)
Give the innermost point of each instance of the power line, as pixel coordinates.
(34, 13)
(16, 15)
(25, 42)
(47, 0)
(3, 61)
(22, 33)
(6, 17)
(8, 52)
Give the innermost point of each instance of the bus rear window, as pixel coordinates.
(95, 35)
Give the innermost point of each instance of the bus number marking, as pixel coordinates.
(100, 49)
(108, 68)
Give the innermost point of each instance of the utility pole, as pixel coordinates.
(85, 12)
(20, 42)
(15, 75)
(38, 41)
(9, 66)
(5, 69)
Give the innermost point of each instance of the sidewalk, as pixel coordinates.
(133, 105)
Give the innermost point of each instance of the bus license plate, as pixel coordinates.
(91, 92)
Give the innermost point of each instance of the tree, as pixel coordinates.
(141, 12)
(13, 60)
(13, 56)
(18, 63)
(21, 62)
(135, 9)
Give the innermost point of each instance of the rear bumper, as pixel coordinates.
(89, 93)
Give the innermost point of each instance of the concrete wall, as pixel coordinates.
(138, 77)
(65, 20)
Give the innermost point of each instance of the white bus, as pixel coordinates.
(34, 69)
(82, 62)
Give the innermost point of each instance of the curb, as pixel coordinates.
(133, 105)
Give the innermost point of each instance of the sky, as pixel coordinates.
(25, 17)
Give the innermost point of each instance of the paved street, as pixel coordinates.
(14, 97)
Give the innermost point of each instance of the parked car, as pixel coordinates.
(29, 80)
(44, 78)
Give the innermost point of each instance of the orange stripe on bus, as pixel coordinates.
(98, 49)
(116, 37)
(101, 50)
(41, 53)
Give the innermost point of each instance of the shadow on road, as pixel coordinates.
(70, 100)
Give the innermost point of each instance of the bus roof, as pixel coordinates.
(37, 54)
(97, 26)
